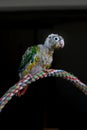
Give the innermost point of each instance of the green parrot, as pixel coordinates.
(39, 57)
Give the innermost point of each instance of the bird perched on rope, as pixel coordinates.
(39, 57)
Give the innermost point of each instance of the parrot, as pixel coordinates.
(39, 57)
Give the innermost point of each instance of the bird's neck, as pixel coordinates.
(48, 49)
(48, 45)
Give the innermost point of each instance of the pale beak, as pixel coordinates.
(61, 43)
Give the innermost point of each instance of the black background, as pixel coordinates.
(50, 102)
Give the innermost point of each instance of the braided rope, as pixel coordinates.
(28, 79)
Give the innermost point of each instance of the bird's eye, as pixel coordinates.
(56, 39)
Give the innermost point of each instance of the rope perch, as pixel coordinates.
(28, 79)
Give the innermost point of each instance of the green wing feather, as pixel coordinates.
(28, 57)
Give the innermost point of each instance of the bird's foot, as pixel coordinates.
(47, 70)
(22, 92)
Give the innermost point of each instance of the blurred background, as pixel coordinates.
(51, 102)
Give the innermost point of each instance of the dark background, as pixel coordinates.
(50, 102)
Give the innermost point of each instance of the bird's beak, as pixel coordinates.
(60, 44)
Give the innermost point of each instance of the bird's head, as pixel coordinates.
(54, 41)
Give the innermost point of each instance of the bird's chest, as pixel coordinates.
(45, 59)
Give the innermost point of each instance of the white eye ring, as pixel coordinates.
(56, 38)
